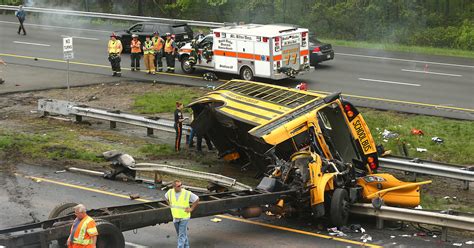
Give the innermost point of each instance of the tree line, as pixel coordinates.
(436, 23)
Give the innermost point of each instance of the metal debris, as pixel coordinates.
(366, 238)
(216, 220)
(419, 149)
(134, 196)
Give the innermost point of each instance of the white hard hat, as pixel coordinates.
(134, 36)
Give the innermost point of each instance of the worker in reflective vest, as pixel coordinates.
(83, 231)
(170, 51)
(158, 44)
(135, 52)
(178, 200)
(149, 56)
(115, 50)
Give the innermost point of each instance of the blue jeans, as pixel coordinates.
(191, 137)
(182, 231)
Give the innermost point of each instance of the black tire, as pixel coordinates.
(340, 205)
(62, 210)
(246, 73)
(109, 235)
(188, 69)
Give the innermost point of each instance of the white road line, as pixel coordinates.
(135, 245)
(435, 73)
(47, 26)
(29, 43)
(79, 37)
(388, 82)
(405, 60)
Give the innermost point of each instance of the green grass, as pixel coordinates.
(458, 135)
(430, 202)
(157, 150)
(402, 48)
(163, 101)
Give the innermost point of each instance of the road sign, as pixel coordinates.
(68, 48)
(67, 44)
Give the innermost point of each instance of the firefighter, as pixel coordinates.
(149, 55)
(178, 125)
(179, 200)
(115, 50)
(83, 231)
(135, 49)
(158, 44)
(170, 51)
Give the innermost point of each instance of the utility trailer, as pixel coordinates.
(112, 221)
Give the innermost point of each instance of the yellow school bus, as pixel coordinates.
(317, 143)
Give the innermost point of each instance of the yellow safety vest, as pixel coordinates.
(168, 46)
(148, 48)
(115, 46)
(178, 206)
(82, 235)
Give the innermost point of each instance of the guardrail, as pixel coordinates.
(444, 220)
(396, 163)
(67, 108)
(419, 166)
(112, 16)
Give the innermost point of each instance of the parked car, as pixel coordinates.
(320, 51)
(182, 32)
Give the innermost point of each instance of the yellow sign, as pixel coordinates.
(360, 130)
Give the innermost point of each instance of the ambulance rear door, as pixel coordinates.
(225, 55)
(290, 50)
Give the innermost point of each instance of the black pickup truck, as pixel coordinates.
(182, 32)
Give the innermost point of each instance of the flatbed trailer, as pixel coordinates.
(112, 221)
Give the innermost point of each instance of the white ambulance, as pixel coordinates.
(252, 50)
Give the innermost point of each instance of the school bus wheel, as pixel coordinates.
(186, 66)
(340, 205)
(246, 73)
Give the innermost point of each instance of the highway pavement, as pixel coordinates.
(425, 84)
(31, 192)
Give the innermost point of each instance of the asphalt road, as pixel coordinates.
(24, 199)
(435, 85)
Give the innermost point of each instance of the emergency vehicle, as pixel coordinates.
(266, 51)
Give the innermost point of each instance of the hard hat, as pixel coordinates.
(168, 34)
(156, 33)
(134, 36)
(113, 35)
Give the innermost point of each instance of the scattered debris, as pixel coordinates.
(418, 132)
(419, 207)
(419, 234)
(302, 86)
(60, 171)
(405, 235)
(334, 232)
(457, 244)
(437, 140)
(210, 76)
(134, 196)
(216, 220)
(419, 149)
(469, 242)
(389, 135)
(37, 180)
(366, 238)
(392, 237)
(434, 236)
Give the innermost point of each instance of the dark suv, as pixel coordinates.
(320, 51)
(182, 32)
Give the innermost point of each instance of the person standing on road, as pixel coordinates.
(178, 125)
(2, 63)
(178, 200)
(135, 51)
(83, 231)
(115, 50)
(21, 15)
(149, 56)
(170, 51)
(158, 44)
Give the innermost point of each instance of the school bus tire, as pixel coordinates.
(246, 73)
(340, 205)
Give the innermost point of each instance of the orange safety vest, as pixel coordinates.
(136, 46)
(169, 46)
(84, 232)
(115, 46)
(157, 43)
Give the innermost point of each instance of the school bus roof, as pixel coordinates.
(256, 103)
(270, 30)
